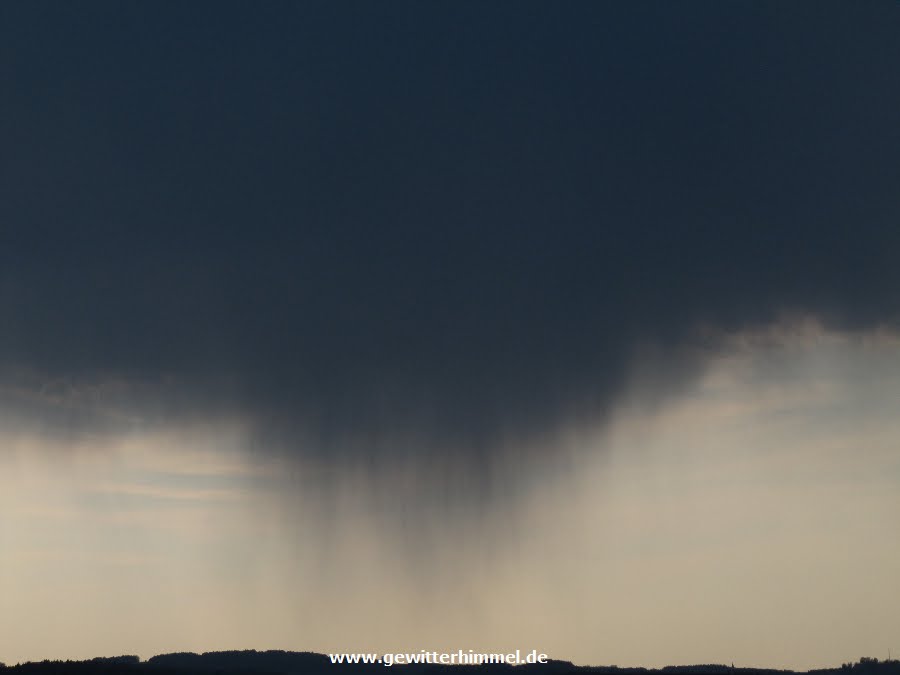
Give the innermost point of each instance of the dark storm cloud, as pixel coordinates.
(447, 219)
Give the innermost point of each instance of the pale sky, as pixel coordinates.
(751, 519)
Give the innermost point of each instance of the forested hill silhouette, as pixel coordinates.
(276, 662)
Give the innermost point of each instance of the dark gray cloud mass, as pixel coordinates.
(454, 220)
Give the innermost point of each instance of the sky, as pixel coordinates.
(398, 326)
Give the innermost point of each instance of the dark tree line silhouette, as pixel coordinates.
(277, 662)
